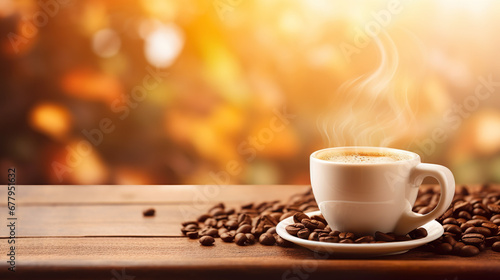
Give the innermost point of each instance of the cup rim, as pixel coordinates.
(413, 156)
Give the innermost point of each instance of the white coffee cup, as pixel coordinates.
(369, 189)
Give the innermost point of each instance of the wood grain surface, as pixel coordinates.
(98, 232)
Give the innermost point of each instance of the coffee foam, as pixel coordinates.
(362, 157)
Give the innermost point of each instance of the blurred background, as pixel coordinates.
(242, 91)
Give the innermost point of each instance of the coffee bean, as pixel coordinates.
(457, 248)
(346, 235)
(303, 233)
(423, 200)
(221, 217)
(189, 228)
(444, 249)
(496, 246)
(319, 218)
(452, 229)
(346, 241)
(299, 216)
(240, 239)
(329, 239)
(446, 215)
(250, 238)
(334, 233)
(425, 210)
(365, 239)
(217, 206)
(495, 217)
(221, 223)
(271, 230)
(282, 242)
(469, 251)
(267, 239)
(461, 221)
(207, 240)
(267, 227)
(209, 232)
(481, 230)
(491, 226)
(246, 228)
(184, 224)
(244, 219)
(203, 218)
(276, 216)
(462, 206)
(464, 214)
(480, 212)
(277, 207)
(287, 215)
(402, 238)
(324, 234)
(418, 233)
(313, 236)
(472, 238)
(475, 222)
(217, 212)
(496, 222)
(211, 222)
(222, 230)
(247, 206)
(268, 220)
(232, 224)
(380, 236)
(192, 234)
(227, 237)
(312, 224)
(475, 200)
(294, 228)
(449, 240)
(494, 208)
(488, 241)
(450, 220)
(479, 217)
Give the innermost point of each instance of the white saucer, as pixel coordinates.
(434, 231)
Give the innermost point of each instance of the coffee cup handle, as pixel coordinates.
(411, 220)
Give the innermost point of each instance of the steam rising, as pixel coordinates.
(373, 109)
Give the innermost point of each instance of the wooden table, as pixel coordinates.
(99, 232)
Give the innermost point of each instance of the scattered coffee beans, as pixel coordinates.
(240, 239)
(496, 246)
(149, 212)
(471, 224)
(227, 237)
(468, 251)
(267, 239)
(192, 234)
(207, 240)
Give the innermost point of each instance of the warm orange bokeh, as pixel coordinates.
(220, 91)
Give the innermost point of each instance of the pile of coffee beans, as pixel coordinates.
(471, 223)
(252, 223)
(316, 228)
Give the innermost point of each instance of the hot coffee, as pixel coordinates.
(369, 189)
(362, 157)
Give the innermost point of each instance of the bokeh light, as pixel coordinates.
(208, 92)
(163, 45)
(106, 43)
